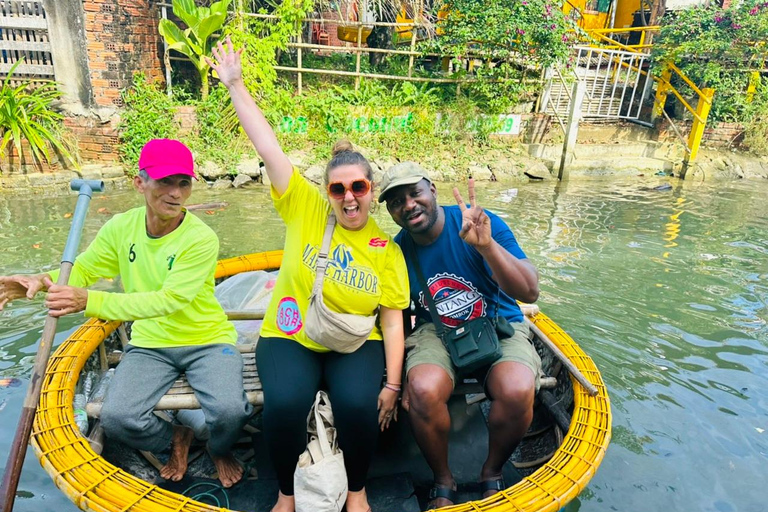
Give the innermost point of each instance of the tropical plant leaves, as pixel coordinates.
(26, 114)
(195, 41)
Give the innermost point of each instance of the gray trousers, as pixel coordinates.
(215, 373)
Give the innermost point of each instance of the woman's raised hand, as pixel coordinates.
(227, 63)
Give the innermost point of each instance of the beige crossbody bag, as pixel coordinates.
(340, 332)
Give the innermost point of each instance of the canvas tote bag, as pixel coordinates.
(340, 332)
(320, 480)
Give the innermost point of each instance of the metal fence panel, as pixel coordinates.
(24, 36)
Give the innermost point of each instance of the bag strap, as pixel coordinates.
(322, 256)
(322, 434)
(439, 328)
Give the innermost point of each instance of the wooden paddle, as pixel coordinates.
(532, 310)
(21, 439)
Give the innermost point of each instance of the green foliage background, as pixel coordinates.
(717, 48)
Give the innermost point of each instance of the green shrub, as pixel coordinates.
(26, 115)
(716, 48)
(148, 114)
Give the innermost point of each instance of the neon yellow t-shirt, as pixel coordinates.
(168, 281)
(365, 269)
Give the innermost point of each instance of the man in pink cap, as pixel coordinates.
(165, 259)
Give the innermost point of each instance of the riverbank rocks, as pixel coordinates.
(315, 174)
(211, 171)
(480, 172)
(250, 167)
(222, 183)
(242, 180)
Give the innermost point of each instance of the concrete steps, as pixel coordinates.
(598, 159)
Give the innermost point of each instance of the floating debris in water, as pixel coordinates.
(3, 403)
(507, 196)
(207, 206)
(9, 382)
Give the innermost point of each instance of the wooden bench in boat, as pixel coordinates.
(181, 395)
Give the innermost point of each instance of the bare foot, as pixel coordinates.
(284, 503)
(357, 501)
(177, 464)
(229, 469)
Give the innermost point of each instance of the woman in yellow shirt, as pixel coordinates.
(366, 273)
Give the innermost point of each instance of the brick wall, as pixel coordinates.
(715, 135)
(96, 140)
(122, 39)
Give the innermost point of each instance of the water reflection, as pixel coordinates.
(667, 290)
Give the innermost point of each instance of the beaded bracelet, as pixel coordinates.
(392, 387)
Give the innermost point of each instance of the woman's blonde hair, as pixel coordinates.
(343, 153)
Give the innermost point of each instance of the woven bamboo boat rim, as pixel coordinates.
(92, 483)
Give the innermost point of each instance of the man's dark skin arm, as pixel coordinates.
(517, 278)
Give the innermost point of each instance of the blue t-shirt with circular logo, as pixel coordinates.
(458, 277)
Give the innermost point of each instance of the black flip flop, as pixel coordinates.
(441, 492)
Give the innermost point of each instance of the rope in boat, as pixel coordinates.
(216, 487)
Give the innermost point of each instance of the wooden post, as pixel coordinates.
(697, 130)
(545, 94)
(357, 58)
(661, 94)
(298, 57)
(572, 129)
(167, 60)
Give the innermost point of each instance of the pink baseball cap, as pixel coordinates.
(165, 157)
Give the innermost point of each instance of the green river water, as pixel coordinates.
(667, 290)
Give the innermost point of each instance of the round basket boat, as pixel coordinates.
(93, 483)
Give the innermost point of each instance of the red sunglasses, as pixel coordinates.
(359, 188)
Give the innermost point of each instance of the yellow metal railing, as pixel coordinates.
(601, 39)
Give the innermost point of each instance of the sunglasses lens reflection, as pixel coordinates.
(360, 187)
(337, 190)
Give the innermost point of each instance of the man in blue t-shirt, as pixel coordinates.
(473, 267)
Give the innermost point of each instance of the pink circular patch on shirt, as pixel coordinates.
(289, 316)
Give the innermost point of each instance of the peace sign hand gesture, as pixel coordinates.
(475, 224)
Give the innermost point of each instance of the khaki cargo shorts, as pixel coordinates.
(425, 347)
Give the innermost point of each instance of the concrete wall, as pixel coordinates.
(98, 45)
(68, 49)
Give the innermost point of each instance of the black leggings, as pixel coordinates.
(291, 375)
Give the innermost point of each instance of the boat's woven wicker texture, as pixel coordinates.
(94, 484)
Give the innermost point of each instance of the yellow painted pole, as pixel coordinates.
(661, 93)
(754, 80)
(697, 130)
